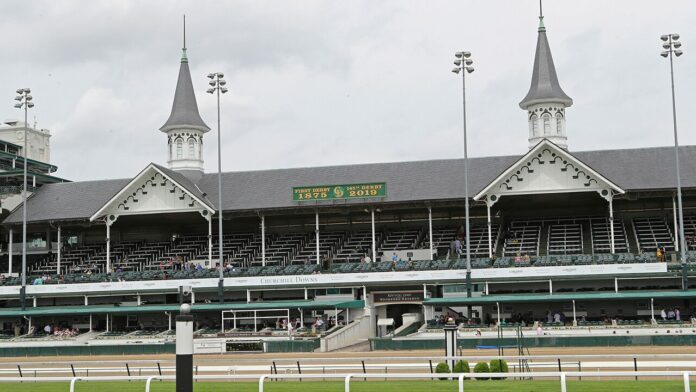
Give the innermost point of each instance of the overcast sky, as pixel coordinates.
(337, 82)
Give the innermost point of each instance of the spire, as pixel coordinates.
(185, 108)
(544, 87)
(184, 59)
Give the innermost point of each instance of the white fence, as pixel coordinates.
(347, 378)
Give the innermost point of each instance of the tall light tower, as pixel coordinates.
(671, 45)
(218, 87)
(463, 64)
(24, 101)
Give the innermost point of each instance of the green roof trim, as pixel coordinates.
(565, 297)
(30, 161)
(41, 176)
(110, 309)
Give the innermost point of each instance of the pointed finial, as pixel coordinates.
(541, 17)
(184, 59)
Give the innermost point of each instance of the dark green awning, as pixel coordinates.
(564, 297)
(110, 309)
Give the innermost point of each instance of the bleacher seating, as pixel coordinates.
(564, 238)
(400, 239)
(652, 232)
(601, 239)
(355, 246)
(522, 238)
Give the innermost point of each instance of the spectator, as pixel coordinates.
(47, 329)
(368, 259)
(671, 315)
(663, 314)
(458, 246)
(394, 258)
(658, 253)
(677, 314)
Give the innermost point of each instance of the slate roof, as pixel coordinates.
(631, 169)
(185, 108)
(544, 87)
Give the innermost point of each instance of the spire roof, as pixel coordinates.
(544, 87)
(185, 108)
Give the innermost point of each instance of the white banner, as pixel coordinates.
(332, 280)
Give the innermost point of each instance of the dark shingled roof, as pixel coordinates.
(544, 87)
(631, 169)
(185, 108)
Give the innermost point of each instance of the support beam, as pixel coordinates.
(316, 228)
(652, 310)
(575, 320)
(108, 247)
(90, 323)
(59, 251)
(550, 287)
(306, 295)
(210, 241)
(676, 225)
(430, 228)
(490, 232)
(9, 251)
(263, 240)
(611, 223)
(497, 306)
(616, 285)
(374, 241)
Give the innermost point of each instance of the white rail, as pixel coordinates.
(562, 376)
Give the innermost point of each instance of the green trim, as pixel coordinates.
(50, 178)
(565, 297)
(106, 309)
(30, 161)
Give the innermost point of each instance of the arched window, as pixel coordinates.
(559, 124)
(191, 148)
(179, 148)
(547, 124)
(535, 126)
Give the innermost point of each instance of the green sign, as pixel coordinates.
(337, 192)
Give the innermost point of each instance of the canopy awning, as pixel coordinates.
(565, 297)
(106, 309)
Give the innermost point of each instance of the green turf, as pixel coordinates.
(380, 386)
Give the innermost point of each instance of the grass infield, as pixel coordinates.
(359, 386)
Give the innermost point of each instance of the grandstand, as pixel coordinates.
(330, 257)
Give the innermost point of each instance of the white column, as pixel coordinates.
(316, 228)
(90, 323)
(248, 296)
(430, 227)
(60, 243)
(9, 251)
(497, 305)
(306, 296)
(374, 241)
(263, 240)
(652, 309)
(575, 320)
(676, 226)
(108, 247)
(611, 223)
(550, 286)
(138, 300)
(616, 285)
(490, 232)
(169, 314)
(210, 241)
(301, 317)
(193, 297)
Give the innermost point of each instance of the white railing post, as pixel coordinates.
(147, 383)
(346, 382)
(687, 387)
(563, 382)
(461, 383)
(261, 379)
(72, 383)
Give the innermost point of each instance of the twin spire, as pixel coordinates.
(544, 87)
(184, 113)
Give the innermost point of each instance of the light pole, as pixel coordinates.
(218, 86)
(463, 64)
(671, 47)
(24, 101)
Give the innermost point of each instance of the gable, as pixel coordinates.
(547, 168)
(151, 192)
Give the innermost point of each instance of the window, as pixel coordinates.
(179, 149)
(559, 124)
(191, 148)
(547, 124)
(535, 126)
